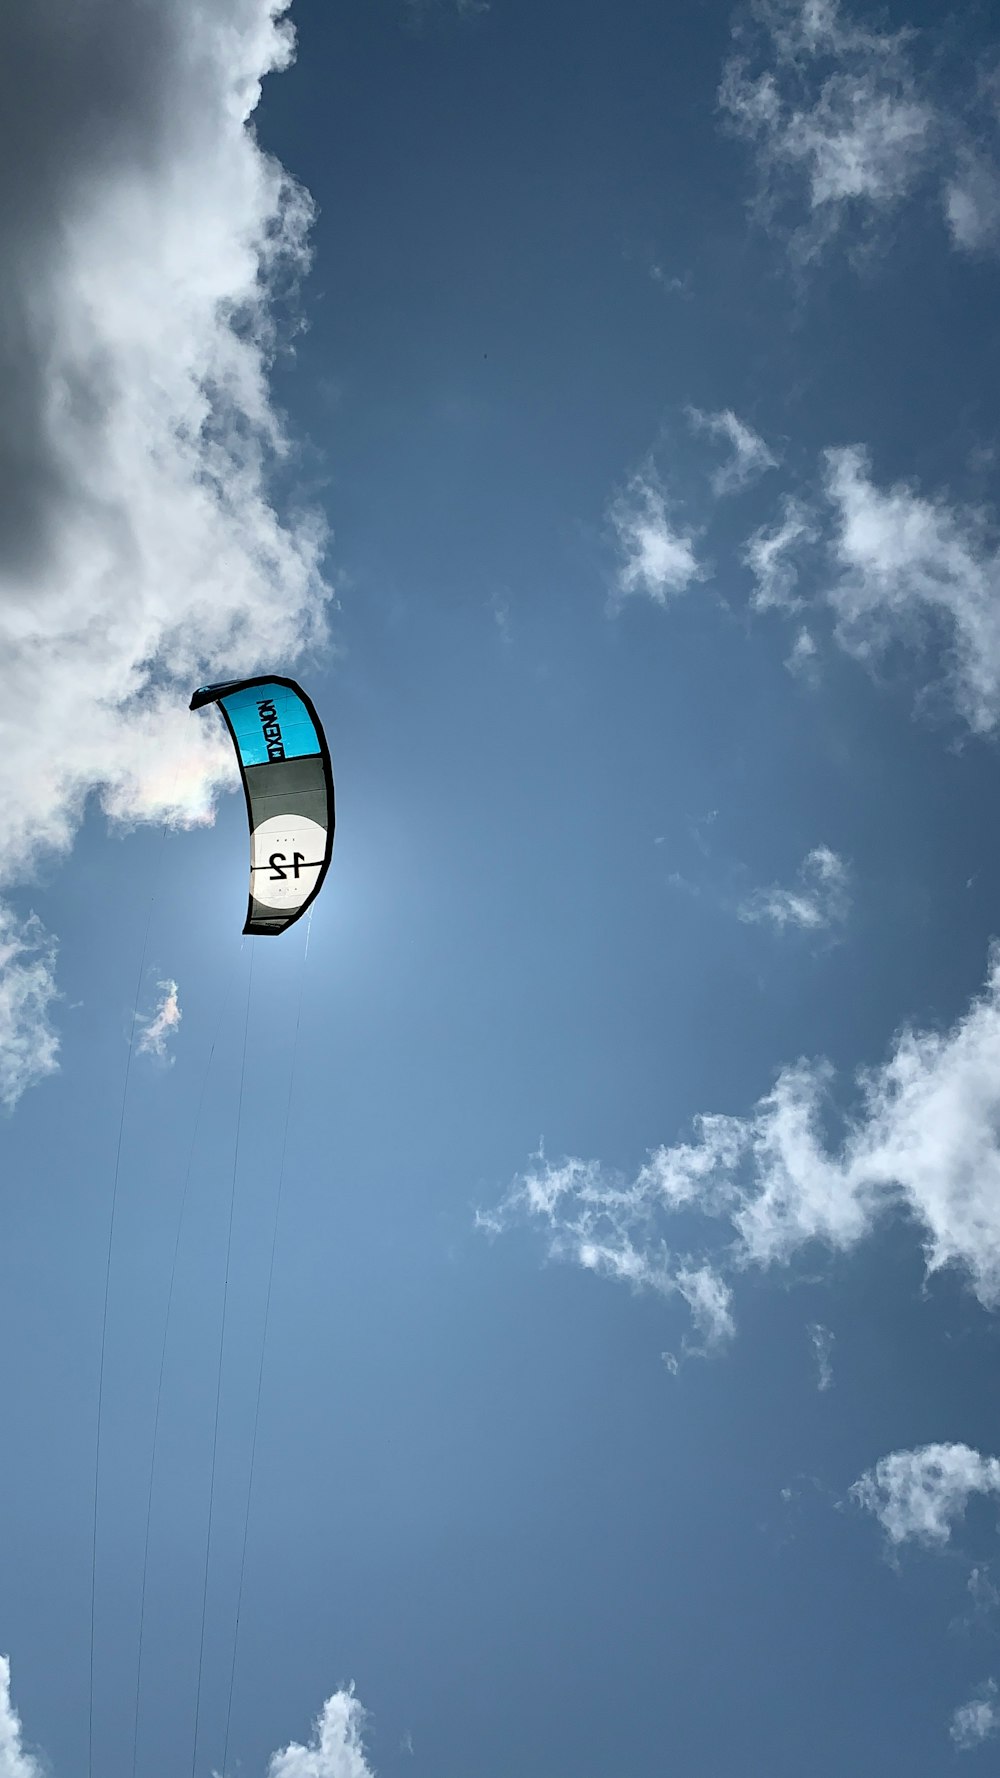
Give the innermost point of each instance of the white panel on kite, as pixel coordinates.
(287, 854)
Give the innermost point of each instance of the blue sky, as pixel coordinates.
(596, 409)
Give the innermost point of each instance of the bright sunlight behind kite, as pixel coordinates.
(288, 783)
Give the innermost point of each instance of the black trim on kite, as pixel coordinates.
(210, 694)
(213, 694)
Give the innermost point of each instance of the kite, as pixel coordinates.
(288, 783)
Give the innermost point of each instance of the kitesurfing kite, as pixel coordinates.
(288, 783)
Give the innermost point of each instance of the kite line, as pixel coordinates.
(263, 1340)
(218, 1385)
(104, 1316)
(163, 1357)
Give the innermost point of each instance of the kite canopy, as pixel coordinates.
(288, 783)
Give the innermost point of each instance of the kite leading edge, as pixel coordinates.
(288, 783)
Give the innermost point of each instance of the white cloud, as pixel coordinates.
(771, 555)
(15, 1761)
(919, 1494)
(336, 1749)
(159, 1026)
(819, 899)
(144, 235)
(927, 1137)
(925, 1140)
(833, 111)
(978, 1720)
(29, 1046)
(906, 561)
(822, 1345)
(750, 456)
(658, 557)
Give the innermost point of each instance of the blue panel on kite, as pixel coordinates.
(270, 721)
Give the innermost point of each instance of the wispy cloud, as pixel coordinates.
(147, 243)
(710, 1301)
(336, 1749)
(984, 1594)
(978, 1720)
(602, 1224)
(893, 566)
(972, 203)
(29, 1046)
(500, 608)
(657, 557)
(749, 458)
(821, 1339)
(834, 112)
(159, 1026)
(773, 556)
(847, 121)
(972, 193)
(672, 282)
(15, 1760)
(801, 659)
(906, 564)
(819, 899)
(925, 1139)
(918, 1495)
